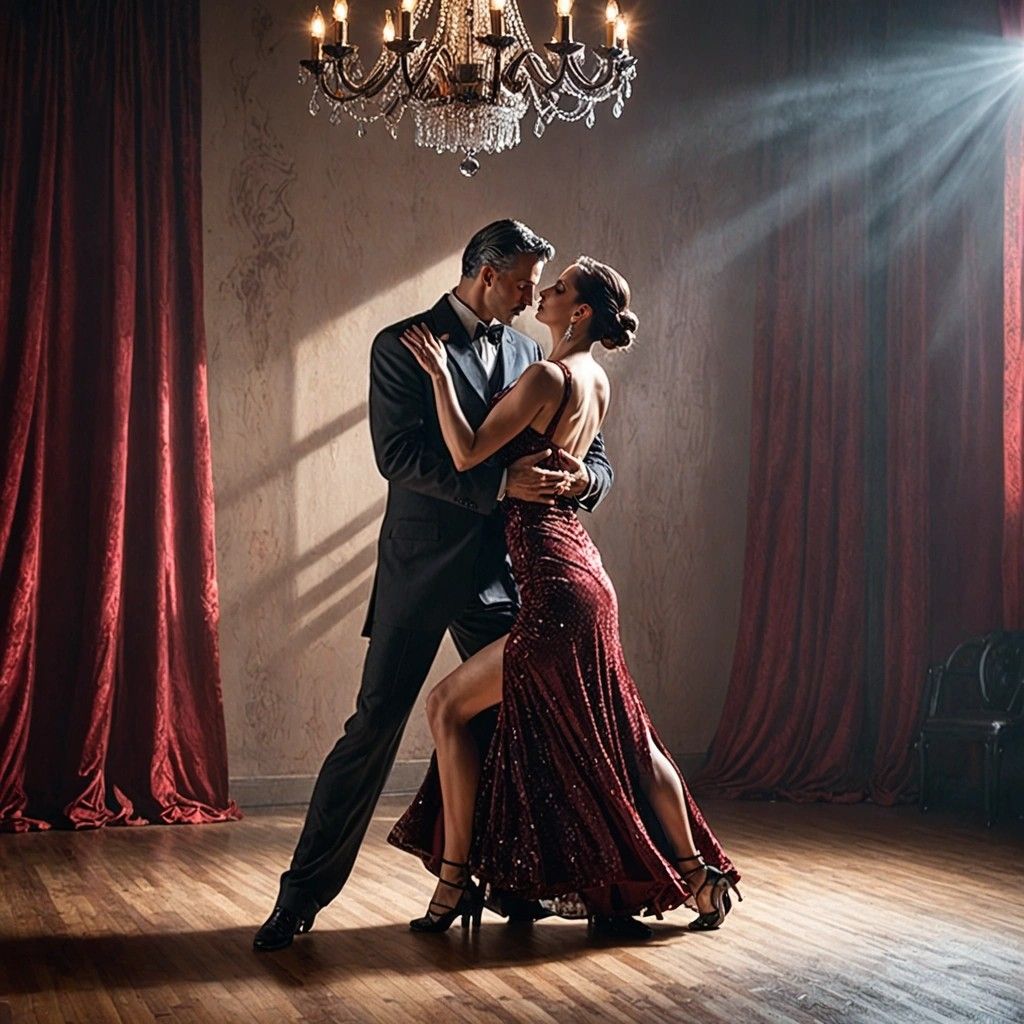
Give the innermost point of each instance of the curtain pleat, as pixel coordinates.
(110, 700)
(882, 528)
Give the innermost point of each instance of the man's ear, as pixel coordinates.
(487, 275)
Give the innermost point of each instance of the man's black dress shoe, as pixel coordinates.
(619, 928)
(520, 911)
(279, 929)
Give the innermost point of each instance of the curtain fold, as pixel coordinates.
(110, 702)
(802, 606)
(888, 271)
(1012, 14)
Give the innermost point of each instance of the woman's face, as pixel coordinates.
(559, 300)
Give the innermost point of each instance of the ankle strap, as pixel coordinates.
(461, 886)
(455, 863)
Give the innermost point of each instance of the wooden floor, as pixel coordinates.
(851, 914)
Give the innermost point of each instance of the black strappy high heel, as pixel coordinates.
(469, 905)
(720, 884)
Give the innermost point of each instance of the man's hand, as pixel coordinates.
(528, 482)
(579, 478)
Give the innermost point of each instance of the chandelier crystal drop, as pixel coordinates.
(470, 85)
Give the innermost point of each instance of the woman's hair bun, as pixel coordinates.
(626, 334)
(606, 291)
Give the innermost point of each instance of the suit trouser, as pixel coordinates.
(354, 772)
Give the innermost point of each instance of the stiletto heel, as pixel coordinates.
(719, 883)
(468, 907)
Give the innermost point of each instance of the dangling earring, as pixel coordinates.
(567, 336)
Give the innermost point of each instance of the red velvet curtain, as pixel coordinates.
(877, 504)
(110, 702)
(1012, 12)
(803, 603)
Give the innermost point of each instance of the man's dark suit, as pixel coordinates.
(441, 564)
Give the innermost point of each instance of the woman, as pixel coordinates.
(577, 802)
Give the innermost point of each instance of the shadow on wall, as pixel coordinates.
(284, 462)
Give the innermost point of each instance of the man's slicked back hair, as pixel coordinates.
(500, 244)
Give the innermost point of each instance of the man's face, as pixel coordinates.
(509, 292)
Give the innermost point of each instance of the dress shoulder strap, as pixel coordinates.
(566, 392)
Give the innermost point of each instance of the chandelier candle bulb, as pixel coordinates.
(564, 8)
(621, 33)
(317, 28)
(611, 16)
(389, 27)
(406, 19)
(497, 17)
(341, 22)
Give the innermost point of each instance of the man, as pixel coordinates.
(442, 563)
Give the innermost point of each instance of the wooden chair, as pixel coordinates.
(976, 696)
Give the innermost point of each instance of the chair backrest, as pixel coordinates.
(986, 671)
(1001, 672)
(954, 684)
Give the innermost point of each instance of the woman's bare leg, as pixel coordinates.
(472, 687)
(664, 790)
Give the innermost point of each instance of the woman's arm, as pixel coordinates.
(538, 388)
(400, 407)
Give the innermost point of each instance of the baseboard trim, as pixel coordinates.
(295, 790)
(405, 778)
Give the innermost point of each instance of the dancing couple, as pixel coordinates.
(550, 790)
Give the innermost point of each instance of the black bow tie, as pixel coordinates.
(494, 334)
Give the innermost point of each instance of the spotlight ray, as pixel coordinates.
(919, 113)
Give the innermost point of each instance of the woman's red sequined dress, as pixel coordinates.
(559, 812)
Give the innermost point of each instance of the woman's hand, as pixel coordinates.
(429, 351)
(578, 478)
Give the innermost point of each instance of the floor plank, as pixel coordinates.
(851, 914)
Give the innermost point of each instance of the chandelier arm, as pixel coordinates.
(496, 77)
(413, 82)
(404, 62)
(366, 89)
(557, 80)
(361, 94)
(371, 82)
(591, 84)
(536, 70)
(371, 85)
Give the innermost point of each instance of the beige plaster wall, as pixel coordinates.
(315, 238)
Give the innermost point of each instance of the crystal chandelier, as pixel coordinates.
(469, 87)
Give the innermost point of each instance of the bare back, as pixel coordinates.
(585, 407)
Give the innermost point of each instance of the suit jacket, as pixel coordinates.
(442, 539)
